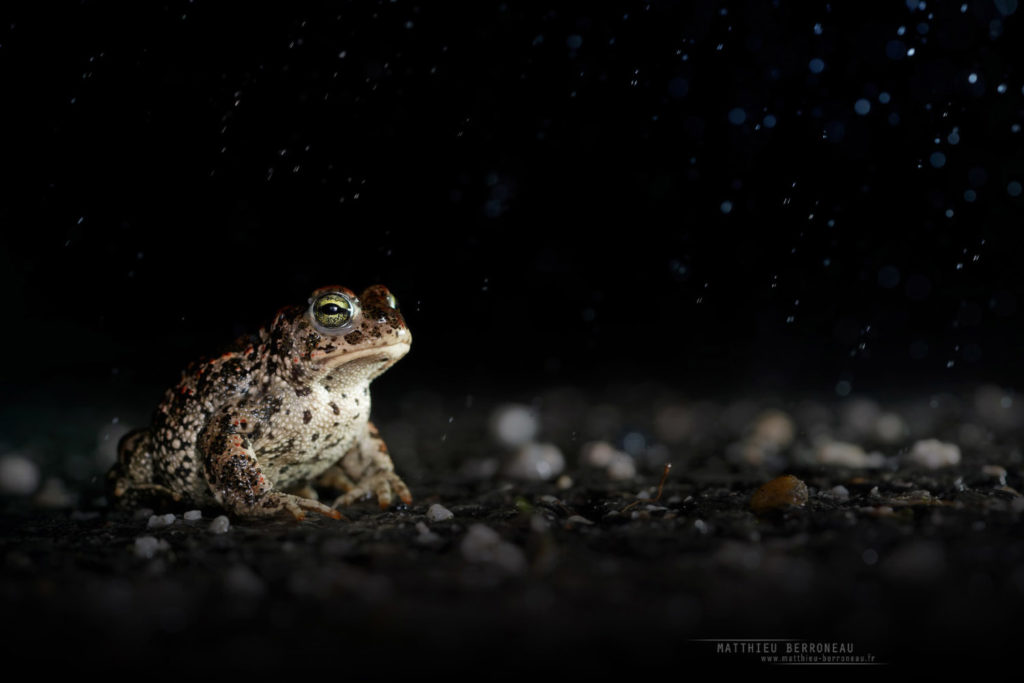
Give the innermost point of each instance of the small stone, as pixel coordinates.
(859, 418)
(220, 525)
(484, 545)
(842, 454)
(997, 408)
(674, 423)
(54, 494)
(621, 467)
(774, 428)
(439, 513)
(148, 546)
(890, 428)
(780, 493)
(19, 476)
(160, 521)
(934, 454)
(564, 482)
(193, 515)
(535, 462)
(514, 424)
(579, 519)
(839, 492)
(597, 454)
(995, 471)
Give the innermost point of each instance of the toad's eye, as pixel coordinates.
(332, 310)
(392, 301)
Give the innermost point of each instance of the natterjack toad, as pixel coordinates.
(285, 410)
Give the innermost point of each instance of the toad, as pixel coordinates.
(255, 430)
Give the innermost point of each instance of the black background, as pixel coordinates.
(541, 185)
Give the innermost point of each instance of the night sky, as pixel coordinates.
(777, 195)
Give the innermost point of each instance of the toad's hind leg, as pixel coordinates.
(237, 482)
(129, 481)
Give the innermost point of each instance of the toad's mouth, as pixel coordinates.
(381, 356)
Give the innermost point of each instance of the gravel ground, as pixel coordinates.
(899, 539)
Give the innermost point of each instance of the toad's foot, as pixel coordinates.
(384, 485)
(275, 502)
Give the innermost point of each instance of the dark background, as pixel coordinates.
(541, 185)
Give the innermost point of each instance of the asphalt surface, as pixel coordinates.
(903, 566)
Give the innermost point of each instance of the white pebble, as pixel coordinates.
(597, 454)
(890, 428)
(148, 546)
(514, 424)
(578, 519)
(483, 544)
(193, 515)
(621, 467)
(774, 428)
(859, 417)
(439, 513)
(840, 492)
(160, 521)
(220, 525)
(843, 454)
(535, 462)
(674, 423)
(933, 454)
(19, 476)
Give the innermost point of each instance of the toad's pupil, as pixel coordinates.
(330, 309)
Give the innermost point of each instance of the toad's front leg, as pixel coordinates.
(234, 475)
(366, 469)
